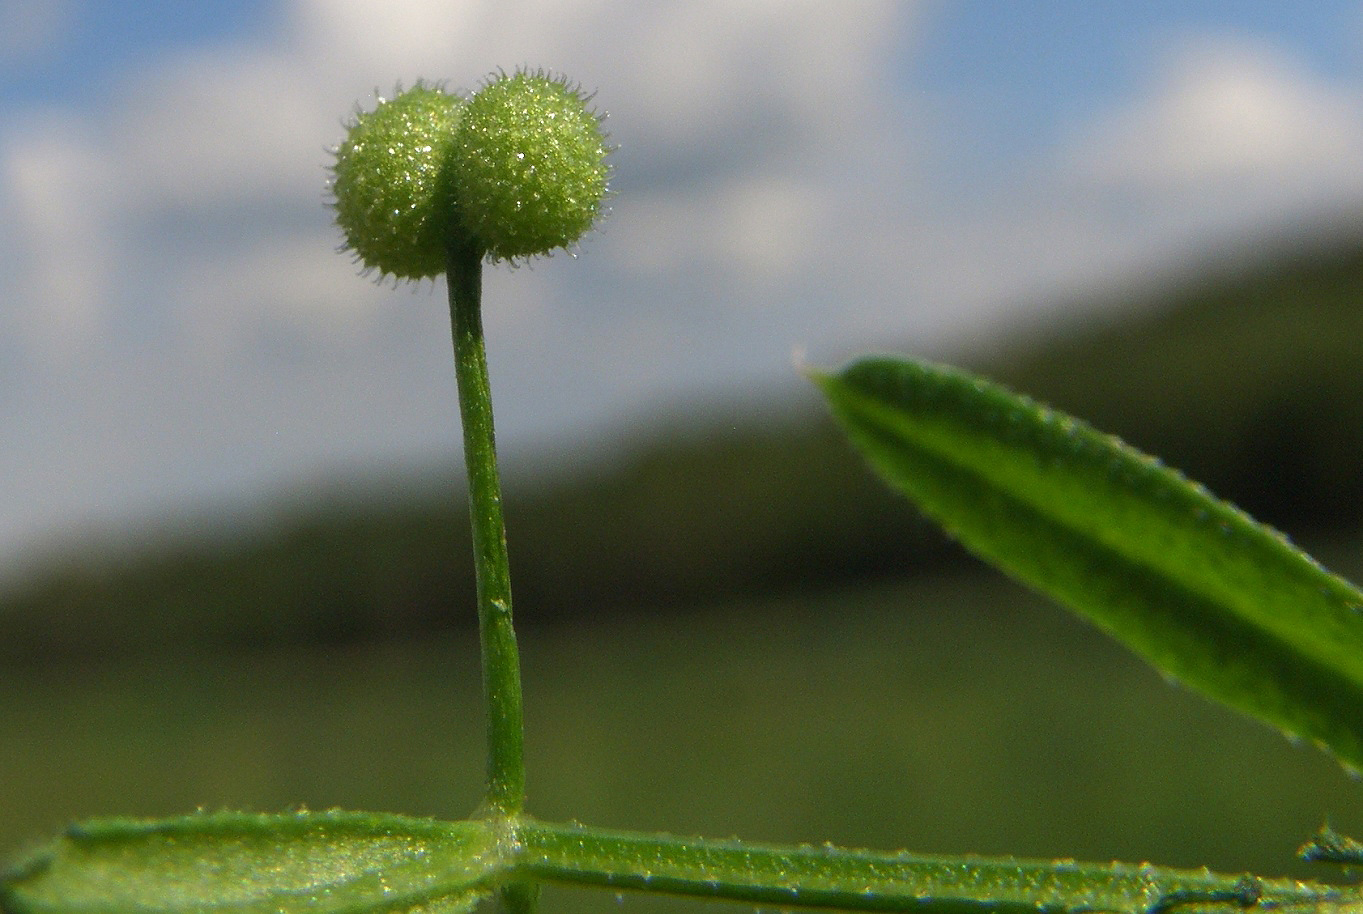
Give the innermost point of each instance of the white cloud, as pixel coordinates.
(1230, 113)
(59, 193)
(175, 240)
(697, 72)
(768, 225)
(221, 128)
(1229, 142)
(206, 138)
(769, 194)
(401, 39)
(228, 300)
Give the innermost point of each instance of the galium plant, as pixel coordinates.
(431, 183)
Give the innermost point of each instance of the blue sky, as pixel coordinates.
(1028, 73)
(70, 51)
(178, 337)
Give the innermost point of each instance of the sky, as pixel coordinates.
(180, 338)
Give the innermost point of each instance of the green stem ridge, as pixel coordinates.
(501, 662)
(365, 863)
(829, 877)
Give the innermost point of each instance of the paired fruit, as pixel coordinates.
(518, 170)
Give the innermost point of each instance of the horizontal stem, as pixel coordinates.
(828, 877)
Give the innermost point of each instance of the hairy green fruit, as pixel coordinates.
(394, 192)
(530, 165)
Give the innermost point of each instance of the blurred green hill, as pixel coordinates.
(1245, 375)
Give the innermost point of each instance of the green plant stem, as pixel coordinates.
(853, 880)
(362, 863)
(505, 795)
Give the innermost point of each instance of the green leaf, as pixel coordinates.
(317, 863)
(1189, 582)
(854, 880)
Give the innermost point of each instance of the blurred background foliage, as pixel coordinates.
(1246, 376)
(730, 629)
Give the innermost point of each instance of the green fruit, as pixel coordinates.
(395, 198)
(529, 162)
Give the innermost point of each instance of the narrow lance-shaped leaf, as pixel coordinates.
(234, 863)
(1191, 583)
